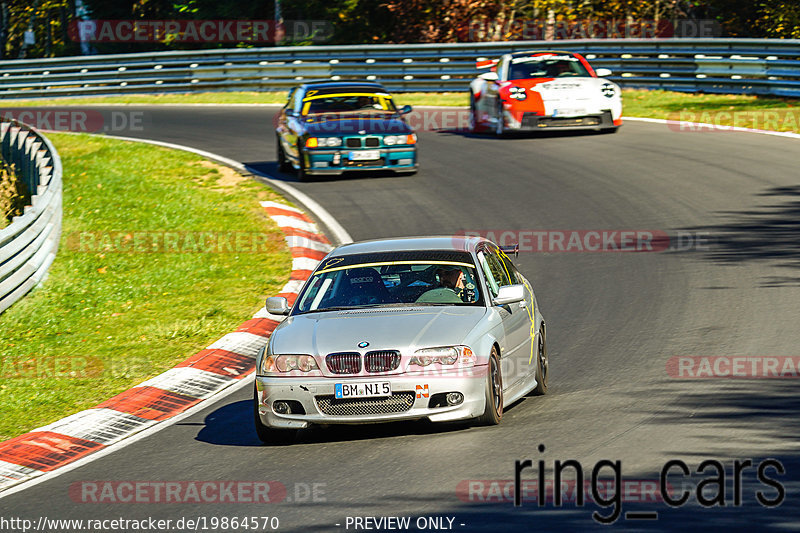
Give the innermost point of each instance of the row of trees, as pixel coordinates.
(41, 28)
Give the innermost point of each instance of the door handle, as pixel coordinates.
(523, 304)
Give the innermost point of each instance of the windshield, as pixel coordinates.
(347, 102)
(551, 66)
(379, 280)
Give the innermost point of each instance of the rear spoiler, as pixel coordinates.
(513, 249)
(486, 63)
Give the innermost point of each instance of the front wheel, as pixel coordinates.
(302, 174)
(542, 364)
(473, 114)
(283, 163)
(266, 434)
(500, 125)
(493, 412)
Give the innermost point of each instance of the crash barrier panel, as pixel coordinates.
(28, 245)
(752, 66)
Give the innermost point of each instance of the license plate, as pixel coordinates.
(569, 112)
(362, 390)
(365, 155)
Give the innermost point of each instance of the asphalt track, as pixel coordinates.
(614, 319)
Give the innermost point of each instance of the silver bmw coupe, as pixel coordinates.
(443, 328)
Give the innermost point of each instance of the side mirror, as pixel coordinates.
(405, 110)
(489, 76)
(278, 305)
(602, 72)
(509, 294)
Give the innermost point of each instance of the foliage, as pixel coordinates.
(12, 195)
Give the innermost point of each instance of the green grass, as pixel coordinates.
(105, 320)
(780, 114)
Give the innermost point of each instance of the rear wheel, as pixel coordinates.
(542, 365)
(266, 434)
(493, 412)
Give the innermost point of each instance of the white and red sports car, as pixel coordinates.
(543, 90)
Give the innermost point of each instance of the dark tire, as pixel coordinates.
(302, 175)
(283, 163)
(493, 412)
(542, 364)
(266, 434)
(610, 130)
(500, 126)
(473, 114)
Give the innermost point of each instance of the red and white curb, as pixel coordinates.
(221, 365)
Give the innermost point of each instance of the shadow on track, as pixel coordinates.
(509, 135)
(764, 233)
(232, 425)
(271, 168)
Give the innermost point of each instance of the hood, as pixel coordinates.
(562, 88)
(405, 329)
(388, 124)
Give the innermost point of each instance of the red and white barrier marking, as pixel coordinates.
(195, 380)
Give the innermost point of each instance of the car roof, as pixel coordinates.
(458, 243)
(318, 84)
(534, 52)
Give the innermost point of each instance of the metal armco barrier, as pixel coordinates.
(757, 66)
(28, 245)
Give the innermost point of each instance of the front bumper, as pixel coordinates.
(424, 389)
(535, 122)
(335, 161)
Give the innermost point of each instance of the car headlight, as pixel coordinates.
(288, 363)
(444, 355)
(314, 142)
(391, 140)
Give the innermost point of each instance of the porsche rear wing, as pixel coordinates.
(486, 63)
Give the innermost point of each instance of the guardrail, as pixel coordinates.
(761, 66)
(28, 245)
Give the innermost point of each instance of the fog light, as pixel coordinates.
(454, 398)
(337, 159)
(282, 408)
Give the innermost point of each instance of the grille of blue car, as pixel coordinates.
(352, 142)
(372, 142)
(344, 363)
(398, 402)
(381, 360)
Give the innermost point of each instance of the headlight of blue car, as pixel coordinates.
(321, 142)
(391, 140)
